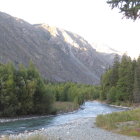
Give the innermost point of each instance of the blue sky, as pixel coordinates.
(92, 19)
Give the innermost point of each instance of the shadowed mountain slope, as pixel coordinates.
(58, 54)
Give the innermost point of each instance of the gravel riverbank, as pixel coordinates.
(80, 129)
(83, 129)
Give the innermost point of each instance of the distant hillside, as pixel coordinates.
(59, 54)
(107, 52)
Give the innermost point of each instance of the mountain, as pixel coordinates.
(59, 55)
(106, 51)
(104, 48)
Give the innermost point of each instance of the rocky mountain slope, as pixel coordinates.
(58, 54)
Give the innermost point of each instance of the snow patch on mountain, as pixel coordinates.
(104, 48)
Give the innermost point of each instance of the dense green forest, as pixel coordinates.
(121, 82)
(24, 92)
(73, 92)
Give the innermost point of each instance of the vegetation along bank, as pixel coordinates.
(24, 92)
(120, 85)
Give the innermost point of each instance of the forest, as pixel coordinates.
(121, 82)
(23, 91)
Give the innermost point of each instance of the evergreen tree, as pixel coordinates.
(115, 71)
(122, 81)
(125, 79)
(105, 84)
(136, 92)
(130, 8)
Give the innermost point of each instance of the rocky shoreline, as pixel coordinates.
(80, 129)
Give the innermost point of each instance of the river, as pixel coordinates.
(88, 109)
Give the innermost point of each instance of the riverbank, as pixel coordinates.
(127, 122)
(59, 109)
(65, 107)
(78, 125)
(79, 129)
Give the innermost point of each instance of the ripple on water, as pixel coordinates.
(89, 109)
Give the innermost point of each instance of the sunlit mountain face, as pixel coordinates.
(59, 55)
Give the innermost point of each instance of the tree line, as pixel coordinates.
(73, 92)
(121, 82)
(24, 92)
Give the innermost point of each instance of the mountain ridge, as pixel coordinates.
(59, 55)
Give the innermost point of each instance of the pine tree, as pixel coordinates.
(125, 79)
(105, 84)
(130, 8)
(115, 71)
(136, 92)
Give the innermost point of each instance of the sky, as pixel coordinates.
(92, 19)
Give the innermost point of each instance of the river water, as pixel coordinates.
(88, 109)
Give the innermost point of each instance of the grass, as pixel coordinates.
(63, 107)
(32, 137)
(126, 122)
(119, 103)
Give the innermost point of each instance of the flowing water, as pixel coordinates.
(88, 109)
